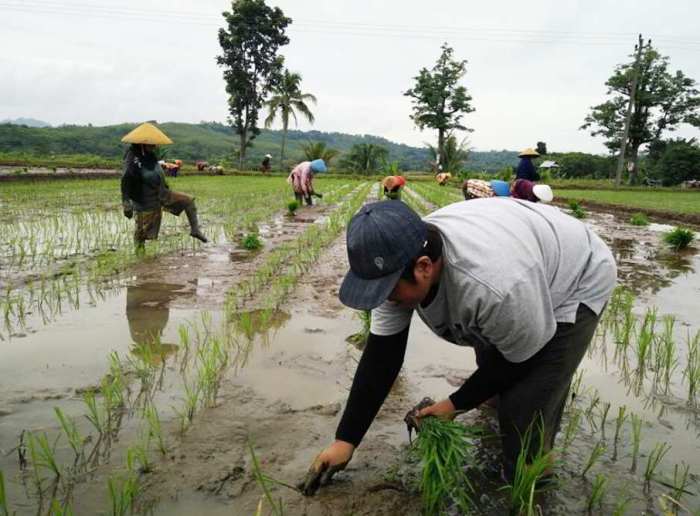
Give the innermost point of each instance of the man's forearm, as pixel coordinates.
(494, 375)
(378, 368)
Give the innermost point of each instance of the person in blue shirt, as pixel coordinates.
(526, 170)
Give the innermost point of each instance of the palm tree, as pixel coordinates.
(365, 157)
(455, 153)
(318, 150)
(287, 99)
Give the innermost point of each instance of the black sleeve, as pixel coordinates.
(494, 375)
(129, 178)
(378, 368)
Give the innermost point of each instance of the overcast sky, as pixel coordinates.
(534, 68)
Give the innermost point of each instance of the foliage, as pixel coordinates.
(454, 153)
(252, 242)
(439, 101)
(444, 450)
(319, 150)
(581, 164)
(679, 238)
(639, 219)
(674, 161)
(576, 210)
(287, 99)
(365, 158)
(292, 207)
(663, 101)
(252, 67)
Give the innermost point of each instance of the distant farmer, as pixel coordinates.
(145, 191)
(392, 187)
(526, 169)
(443, 177)
(302, 179)
(519, 189)
(266, 164)
(522, 283)
(529, 191)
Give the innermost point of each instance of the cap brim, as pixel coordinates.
(364, 294)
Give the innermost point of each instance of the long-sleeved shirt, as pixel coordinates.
(301, 178)
(526, 170)
(143, 188)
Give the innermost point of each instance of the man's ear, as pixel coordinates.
(423, 268)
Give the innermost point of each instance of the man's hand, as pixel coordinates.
(325, 465)
(444, 409)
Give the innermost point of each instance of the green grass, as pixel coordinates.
(639, 219)
(672, 201)
(679, 238)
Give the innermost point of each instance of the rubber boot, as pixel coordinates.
(191, 212)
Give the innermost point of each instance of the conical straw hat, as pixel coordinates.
(528, 152)
(147, 134)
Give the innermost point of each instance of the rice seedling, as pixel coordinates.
(603, 418)
(691, 372)
(70, 429)
(122, 493)
(596, 453)
(192, 394)
(595, 500)
(56, 509)
(639, 219)
(137, 455)
(655, 457)
(666, 361)
(577, 210)
(645, 340)
(292, 207)
(443, 448)
(4, 507)
(154, 427)
(95, 413)
(679, 238)
(359, 339)
(681, 479)
(572, 428)
(636, 439)
(43, 454)
(623, 502)
(251, 242)
(264, 483)
(619, 423)
(530, 468)
(590, 411)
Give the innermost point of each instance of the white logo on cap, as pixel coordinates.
(379, 262)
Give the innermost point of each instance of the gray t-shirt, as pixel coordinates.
(512, 270)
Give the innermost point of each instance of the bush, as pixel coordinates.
(679, 238)
(639, 219)
(252, 242)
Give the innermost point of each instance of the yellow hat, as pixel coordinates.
(528, 152)
(147, 134)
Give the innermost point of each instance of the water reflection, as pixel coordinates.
(147, 313)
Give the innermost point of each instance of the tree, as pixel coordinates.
(541, 148)
(439, 101)
(675, 161)
(454, 153)
(319, 150)
(364, 157)
(662, 101)
(286, 100)
(252, 67)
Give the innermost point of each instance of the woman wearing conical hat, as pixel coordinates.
(144, 190)
(526, 170)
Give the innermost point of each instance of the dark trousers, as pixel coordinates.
(537, 400)
(300, 197)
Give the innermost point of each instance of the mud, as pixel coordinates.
(285, 396)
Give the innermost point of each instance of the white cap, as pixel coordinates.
(543, 193)
(268, 155)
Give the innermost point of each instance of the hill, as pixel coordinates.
(29, 122)
(214, 142)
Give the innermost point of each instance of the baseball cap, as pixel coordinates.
(543, 193)
(382, 238)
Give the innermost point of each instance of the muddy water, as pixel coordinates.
(285, 392)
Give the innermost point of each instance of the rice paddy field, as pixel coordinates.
(204, 378)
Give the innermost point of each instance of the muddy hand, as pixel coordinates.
(325, 465)
(412, 416)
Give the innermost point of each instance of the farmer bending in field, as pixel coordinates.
(145, 191)
(392, 187)
(522, 283)
(302, 179)
(519, 189)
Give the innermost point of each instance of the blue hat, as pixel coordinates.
(500, 188)
(383, 237)
(318, 165)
